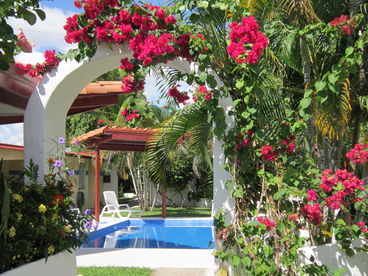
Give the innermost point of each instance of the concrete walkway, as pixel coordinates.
(180, 272)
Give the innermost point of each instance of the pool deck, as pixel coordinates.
(147, 257)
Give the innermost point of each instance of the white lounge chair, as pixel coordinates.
(113, 207)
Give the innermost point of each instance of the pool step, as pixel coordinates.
(179, 272)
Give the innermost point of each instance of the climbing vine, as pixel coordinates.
(276, 182)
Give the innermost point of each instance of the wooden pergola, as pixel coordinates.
(116, 138)
(16, 88)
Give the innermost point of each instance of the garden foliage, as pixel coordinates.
(36, 218)
(296, 72)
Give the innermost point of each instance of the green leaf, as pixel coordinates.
(41, 14)
(203, 76)
(305, 103)
(239, 192)
(236, 102)
(280, 226)
(236, 260)
(349, 51)
(239, 84)
(247, 261)
(252, 110)
(203, 4)
(267, 250)
(333, 78)
(245, 115)
(339, 271)
(211, 81)
(219, 118)
(194, 17)
(30, 17)
(320, 85)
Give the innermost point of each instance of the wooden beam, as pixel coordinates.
(18, 84)
(103, 139)
(132, 136)
(13, 99)
(92, 101)
(10, 120)
(113, 147)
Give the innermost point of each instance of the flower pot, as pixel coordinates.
(331, 256)
(61, 264)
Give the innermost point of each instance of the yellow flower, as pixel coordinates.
(17, 197)
(42, 208)
(67, 228)
(51, 250)
(54, 217)
(19, 216)
(12, 232)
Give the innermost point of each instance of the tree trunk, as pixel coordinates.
(155, 198)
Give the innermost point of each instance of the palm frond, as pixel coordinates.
(192, 122)
(333, 116)
(301, 10)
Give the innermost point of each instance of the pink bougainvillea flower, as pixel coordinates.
(124, 112)
(268, 153)
(313, 213)
(362, 226)
(358, 154)
(246, 42)
(267, 222)
(23, 43)
(312, 195)
(293, 217)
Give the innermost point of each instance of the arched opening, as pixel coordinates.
(47, 109)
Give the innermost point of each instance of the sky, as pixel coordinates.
(47, 35)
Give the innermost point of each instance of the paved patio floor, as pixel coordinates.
(180, 272)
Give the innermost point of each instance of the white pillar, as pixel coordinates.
(222, 199)
(44, 118)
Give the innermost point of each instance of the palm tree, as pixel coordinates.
(190, 123)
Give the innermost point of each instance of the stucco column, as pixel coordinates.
(44, 118)
(222, 199)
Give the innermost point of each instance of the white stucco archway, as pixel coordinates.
(44, 119)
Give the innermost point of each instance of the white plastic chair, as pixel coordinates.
(113, 207)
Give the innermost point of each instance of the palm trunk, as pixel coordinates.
(155, 198)
(307, 69)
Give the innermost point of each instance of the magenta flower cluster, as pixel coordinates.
(180, 97)
(358, 154)
(247, 42)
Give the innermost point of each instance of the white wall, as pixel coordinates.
(331, 256)
(61, 264)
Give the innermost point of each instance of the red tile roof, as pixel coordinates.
(117, 138)
(12, 147)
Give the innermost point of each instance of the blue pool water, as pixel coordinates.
(155, 234)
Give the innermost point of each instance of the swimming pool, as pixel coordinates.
(154, 233)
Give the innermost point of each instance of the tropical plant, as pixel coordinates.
(27, 10)
(189, 133)
(36, 219)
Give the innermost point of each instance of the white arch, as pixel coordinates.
(44, 119)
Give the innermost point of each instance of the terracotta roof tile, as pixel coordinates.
(101, 87)
(118, 138)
